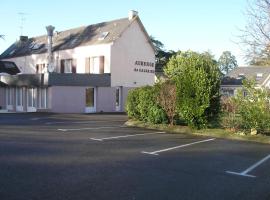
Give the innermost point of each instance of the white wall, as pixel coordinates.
(132, 46)
(27, 64)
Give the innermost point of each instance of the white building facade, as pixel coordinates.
(93, 68)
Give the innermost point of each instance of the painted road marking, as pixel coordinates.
(252, 167)
(35, 118)
(79, 122)
(177, 147)
(92, 128)
(123, 136)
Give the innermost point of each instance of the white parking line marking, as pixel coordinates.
(92, 128)
(252, 167)
(123, 136)
(35, 118)
(80, 122)
(177, 147)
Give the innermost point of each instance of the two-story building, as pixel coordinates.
(85, 69)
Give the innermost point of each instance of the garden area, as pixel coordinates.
(189, 101)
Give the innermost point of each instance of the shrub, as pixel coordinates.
(253, 107)
(229, 118)
(132, 103)
(142, 104)
(197, 78)
(167, 99)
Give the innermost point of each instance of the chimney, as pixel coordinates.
(50, 30)
(23, 38)
(132, 14)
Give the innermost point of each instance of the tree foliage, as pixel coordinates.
(255, 36)
(197, 79)
(253, 106)
(227, 62)
(162, 56)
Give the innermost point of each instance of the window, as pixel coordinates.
(43, 98)
(118, 99)
(40, 68)
(259, 75)
(32, 97)
(68, 66)
(90, 97)
(94, 68)
(9, 96)
(103, 35)
(94, 65)
(228, 92)
(19, 96)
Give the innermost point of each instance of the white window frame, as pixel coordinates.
(43, 91)
(33, 106)
(94, 65)
(91, 109)
(9, 98)
(68, 66)
(19, 99)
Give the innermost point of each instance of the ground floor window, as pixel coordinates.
(32, 97)
(43, 98)
(118, 98)
(9, 96)
(19, 96)
(228, 92)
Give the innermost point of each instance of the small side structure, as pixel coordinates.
(233, 80)
(82, 70)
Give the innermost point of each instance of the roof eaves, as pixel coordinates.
(136, 18)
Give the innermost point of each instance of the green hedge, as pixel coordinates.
(142, 105)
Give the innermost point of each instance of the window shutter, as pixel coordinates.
(101, 64)
(37, 69)
(87, 65)
(74, 66)
(62, 69)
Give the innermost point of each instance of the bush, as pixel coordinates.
(142, 105)
(132, 103)
(167, 99)
(197, 79)
(229, 118)
(253, 107)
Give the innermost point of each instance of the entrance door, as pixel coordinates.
(90, 100)
(31, 100)
(118, 99)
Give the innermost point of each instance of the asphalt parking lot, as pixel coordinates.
(72, 156)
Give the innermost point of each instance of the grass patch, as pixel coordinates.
(212, 132)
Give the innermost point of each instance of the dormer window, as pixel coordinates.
(35, 46)
(241, 76)
(259, 75)
(103, 35)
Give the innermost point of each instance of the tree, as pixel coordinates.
(167, 99)
(255, 36)
(227, 62)
(197, 79)
(162, 56)
(2, 37)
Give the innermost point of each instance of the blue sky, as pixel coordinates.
(181, 25)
